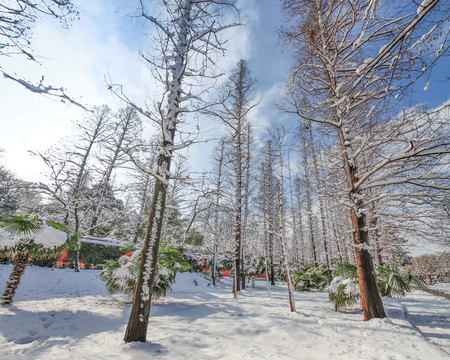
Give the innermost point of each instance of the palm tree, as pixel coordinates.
(23, 237)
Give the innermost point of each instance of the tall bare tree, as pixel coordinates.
(187, 35)
(352, 56)
(235, 105)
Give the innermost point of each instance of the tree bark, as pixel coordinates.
(21, 261)
(308, 198)
(370, 296)
(140, 311)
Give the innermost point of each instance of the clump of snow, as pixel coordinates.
(351, 287)
(50, 238)
(422, 6)
(47, 237)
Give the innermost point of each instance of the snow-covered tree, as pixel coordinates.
(235, 104)
(187, 34)
(351, 57)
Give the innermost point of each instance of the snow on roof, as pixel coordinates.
(102, 241)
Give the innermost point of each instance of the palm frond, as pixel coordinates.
(348, 270)
(416, 281)
(21, 224)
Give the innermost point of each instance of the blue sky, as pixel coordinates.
(104, 45)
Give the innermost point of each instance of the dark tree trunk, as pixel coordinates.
(272, 267)
(370, 297)
(21, 261)
(242, 271)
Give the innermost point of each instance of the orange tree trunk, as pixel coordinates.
(370, 296)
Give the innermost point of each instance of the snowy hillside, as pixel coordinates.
(60, 314)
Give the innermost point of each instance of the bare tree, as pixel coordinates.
(126, 133)
(335, 84)
(236, 102)
(16, 22)
(187, 35)
(278, 135)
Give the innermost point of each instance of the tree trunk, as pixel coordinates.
(294, 219)
(271, 214)
(370, 296)
(280, 138)
(320, 196)
(140, 311)
(216, 213)
(308, 198)
(21, 261)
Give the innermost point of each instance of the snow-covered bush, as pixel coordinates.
(310, 277)
(254, 265)
(121, 275)
(344, 289)
(343, 292)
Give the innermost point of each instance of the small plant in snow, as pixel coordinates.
(344, 289)
(343, 292)
(121, 275)
(311, 277)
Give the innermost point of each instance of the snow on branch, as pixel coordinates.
(45, 90)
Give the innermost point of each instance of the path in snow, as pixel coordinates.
(61, 314)
(430, 317)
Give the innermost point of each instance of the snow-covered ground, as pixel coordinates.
(60, 314)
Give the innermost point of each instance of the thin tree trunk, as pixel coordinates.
(281, 225)
(271, 214)
(308, 199)
(246, 197)
(320, 195)
(300, 222)
(294, 219)
(216, 213)
(21, 261)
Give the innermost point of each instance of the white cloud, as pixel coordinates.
(95, 49)
(78, 59)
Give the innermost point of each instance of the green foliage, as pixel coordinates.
(310, 277)
(97, 253)
(254, 265)
(279, 273)
(392, 283)
(347, 270)
(416, 281)
(194, 238)
(121, 275)
(344, 293)
(21, 224)
(29, 225)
